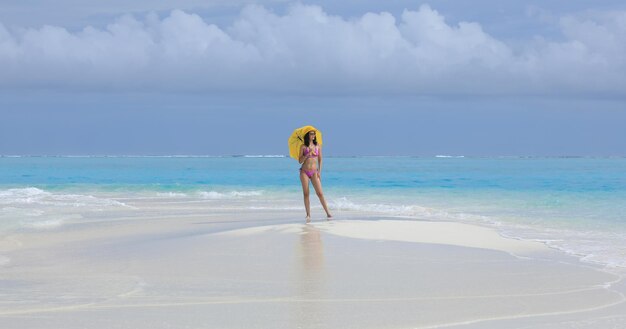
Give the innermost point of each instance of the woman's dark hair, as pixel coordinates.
(307, 141)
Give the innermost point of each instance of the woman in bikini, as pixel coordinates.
(311, 170)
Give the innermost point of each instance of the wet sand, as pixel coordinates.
(267, 269)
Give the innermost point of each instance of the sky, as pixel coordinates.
(418, 78)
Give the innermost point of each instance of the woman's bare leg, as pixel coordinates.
(317, 184)
(304, 179)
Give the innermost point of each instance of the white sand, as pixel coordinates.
(447, 233)
(268, 270)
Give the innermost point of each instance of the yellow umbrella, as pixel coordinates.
(296, 140)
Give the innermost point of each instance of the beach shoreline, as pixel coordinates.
(260, 269)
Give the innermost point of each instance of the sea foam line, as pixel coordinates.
(36, 196)
(600, 248)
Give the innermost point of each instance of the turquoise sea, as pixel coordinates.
(577, 205)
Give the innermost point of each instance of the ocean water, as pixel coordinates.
(577, 205)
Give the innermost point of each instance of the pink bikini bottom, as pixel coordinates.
(309, 173)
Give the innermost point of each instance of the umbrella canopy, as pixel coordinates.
(296, 140)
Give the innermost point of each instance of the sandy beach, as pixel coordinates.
(172, 164)
(181, 267)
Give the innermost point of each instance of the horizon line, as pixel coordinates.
(444, 156)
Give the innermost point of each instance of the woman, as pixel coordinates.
(311, 170)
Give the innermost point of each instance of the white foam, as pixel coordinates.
(21, 192)
(593, 247)
(415, 211)
(172, 195)
(34, 208)
(214, 195)
(345, 204)
(246, 193)
(35, 196)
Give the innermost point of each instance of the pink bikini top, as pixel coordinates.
(314, 154)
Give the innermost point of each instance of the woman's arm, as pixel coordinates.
(319, 159)
(302, 157)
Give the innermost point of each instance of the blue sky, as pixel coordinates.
(377, 77)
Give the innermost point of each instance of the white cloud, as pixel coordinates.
(309, 51)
